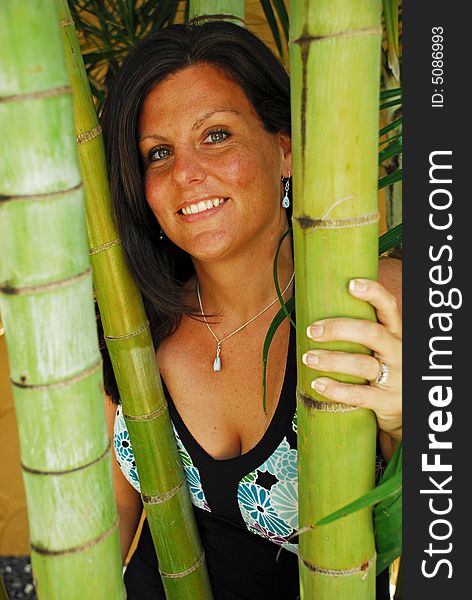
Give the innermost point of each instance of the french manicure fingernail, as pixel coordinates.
(310, 359)
(318, 385)
(315, 331)
(357, 285)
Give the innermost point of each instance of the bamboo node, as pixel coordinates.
(67, 471)
(45, 287)
(163, 497)
(199, 19)
(105, 246)
(86, 136)
(149, 417)
(186, 572)
(58, 91)
(306, 38)
(307, 222)
(66, 22)
(127, 336)
(44, 196)
(363, 568)
(57, 384)
(323, 406)
(81, 548)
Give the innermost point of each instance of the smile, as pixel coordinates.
(202, 206)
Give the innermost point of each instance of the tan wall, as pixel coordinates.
(13, 519)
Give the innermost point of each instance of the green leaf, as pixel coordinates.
(382, 492)
(276, 322)
(393, 125)
(387, 497)
(276, 278)
(272, 21)
(391, 103)
(388, 517)
(283, 16)
(393, 149)
(391, 238)
(390, 93)
(390, 139)
(390, 179)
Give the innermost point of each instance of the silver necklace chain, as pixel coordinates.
(217, 361)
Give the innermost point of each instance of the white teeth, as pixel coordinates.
(193, 209)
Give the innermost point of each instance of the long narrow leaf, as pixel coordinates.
(274, 27)
(383, 491)
(393, 149)
(283, 16)
(391, 238)
(276, 279)
(276, 322)
(393, 125)
(390, 179)
(390, 93)
(391, 103)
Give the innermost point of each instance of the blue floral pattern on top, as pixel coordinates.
(269, 505)
(125, 457)
(268, 509)
(123, 450)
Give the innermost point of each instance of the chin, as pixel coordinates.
(211, 246)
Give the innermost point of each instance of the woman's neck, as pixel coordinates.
(238, 288)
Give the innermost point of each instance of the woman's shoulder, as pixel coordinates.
(390, 276)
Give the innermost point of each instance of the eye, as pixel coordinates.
(158, 154)
(216, 135)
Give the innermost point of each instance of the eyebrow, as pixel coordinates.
(197, 123)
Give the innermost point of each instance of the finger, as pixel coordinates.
(368, 333)
(361, 365)
(362, 396)
(382, 300)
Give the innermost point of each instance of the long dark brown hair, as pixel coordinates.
(159, 267)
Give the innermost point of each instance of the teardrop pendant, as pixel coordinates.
(217, 361)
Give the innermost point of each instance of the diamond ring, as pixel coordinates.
(384, 371)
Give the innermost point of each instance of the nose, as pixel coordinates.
(188, 167)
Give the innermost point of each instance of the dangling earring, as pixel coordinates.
(161, 235)
(286, 199)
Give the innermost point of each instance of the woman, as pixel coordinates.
(197, 131)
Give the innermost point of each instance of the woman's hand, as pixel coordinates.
(383, 338)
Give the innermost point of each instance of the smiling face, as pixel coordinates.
(212, 172)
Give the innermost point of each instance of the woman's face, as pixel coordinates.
(212, 172)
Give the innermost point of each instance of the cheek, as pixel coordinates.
(243, 172)
(154, 195)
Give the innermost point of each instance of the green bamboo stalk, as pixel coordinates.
(163, 486)
(3, 591)
(47, 306)
(334, 58)
(210, 10)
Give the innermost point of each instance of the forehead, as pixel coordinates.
(195, 91)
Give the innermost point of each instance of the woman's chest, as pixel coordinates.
(224, 409)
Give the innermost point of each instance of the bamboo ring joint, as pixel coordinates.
(186, 572)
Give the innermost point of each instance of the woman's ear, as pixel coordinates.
(286, 149)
